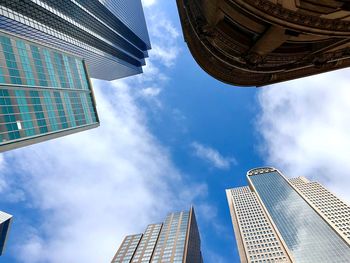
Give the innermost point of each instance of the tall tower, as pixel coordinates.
(111, 35)
(44, 93)
(277, 219)
(260, 42)
(46, 47)
(176, 240)
(5, 223)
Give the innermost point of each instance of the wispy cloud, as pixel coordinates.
(212, 156)
(86, 191)
(148, 3)
(305, 126)
(92, 188)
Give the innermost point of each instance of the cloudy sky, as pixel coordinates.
(169, 138)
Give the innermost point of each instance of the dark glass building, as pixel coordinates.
(176, 240)
(288, 220)
(111, 35)
(5, 223)
(44, 93)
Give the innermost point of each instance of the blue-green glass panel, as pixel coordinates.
(60, 110)
(39, 113)
(26, 65)
(27, 122)
(85, 108)
(75, 72)
(8, 113)
(50, 68)
(84, 80)
(50, 109)
(69, 109)
(10, 60)
(39, 66)
(77, 108)
(60, 69)
(68, 72)
(2, 77)
(309, 238)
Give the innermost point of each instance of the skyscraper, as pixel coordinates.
(176, 240)
(5, 223)
(44, 93)
(110, 35)
(260, 42)
(277, 219)
(46, 47)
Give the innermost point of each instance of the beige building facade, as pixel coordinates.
(176, 240)
(276, 219)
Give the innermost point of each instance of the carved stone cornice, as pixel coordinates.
(276, 14)
(226, 52)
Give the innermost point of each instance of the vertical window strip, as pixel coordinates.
(9, 117)
(60, 69)
(76, 75)
(23, 55)
(2, 77)
(27, 121)
(39, 66)
(87, 112)
(69, 109)
(60, 109)
(50, 109)
(68, 72)
(10, 60)
(82, 74)
(50, 68)
(38, 110)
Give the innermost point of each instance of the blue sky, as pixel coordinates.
(169, 138)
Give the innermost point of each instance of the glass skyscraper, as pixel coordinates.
(288, 220)
(46, 47)
(110, 35)
(44, 93)
(5, 223)
(176, 240)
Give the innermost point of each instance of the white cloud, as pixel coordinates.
(88, 190)
(148, 3)
(305, 125)
(165, 48)
(91, 188)
(212, 156)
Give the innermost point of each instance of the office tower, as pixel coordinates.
(260, 42)
(110, 35)
(277, 219)
(5, 223)
(176, 240)
(44, 93)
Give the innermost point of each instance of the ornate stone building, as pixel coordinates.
(260, 42)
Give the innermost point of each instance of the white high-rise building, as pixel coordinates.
(277, 219)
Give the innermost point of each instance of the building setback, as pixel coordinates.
(44, 93)
(260, 42)
(111, 35)
(276, 219)
(176, 240)
(5, 223)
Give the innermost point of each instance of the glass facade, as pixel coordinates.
(5, 223)
(307, 235)
(171, 243)
(127, 249)
(42, 92)
(174, 241)
(112, 46)
(148, 242)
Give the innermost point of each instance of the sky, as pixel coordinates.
(169, 138)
